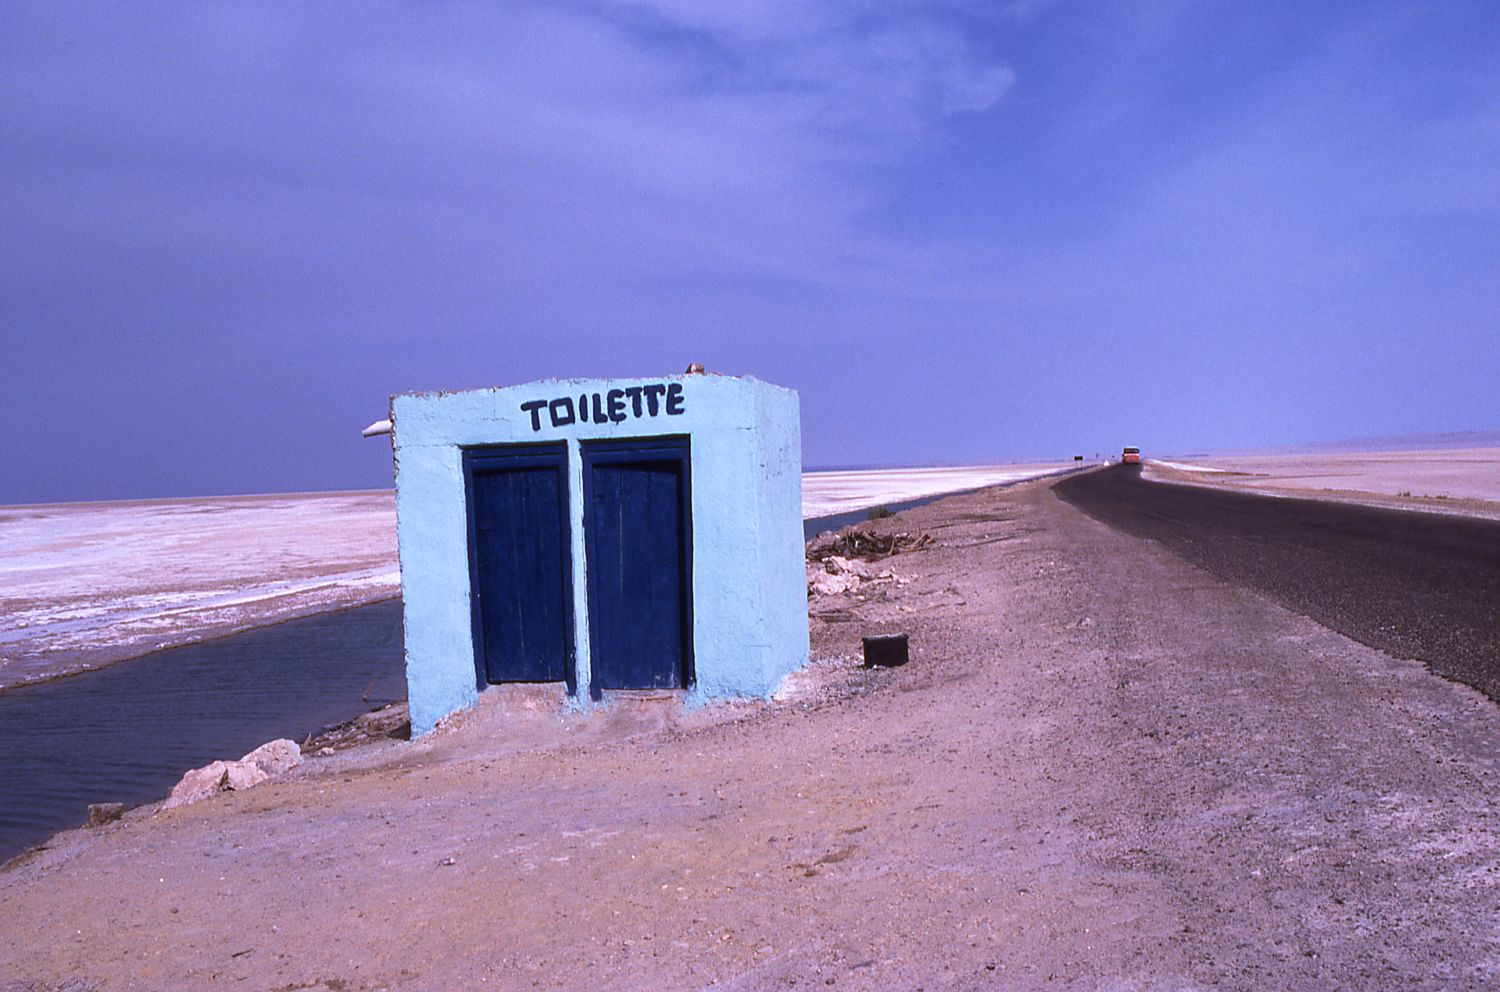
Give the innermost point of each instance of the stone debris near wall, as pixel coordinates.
(841, 562)
(836, 574)
(267, 761)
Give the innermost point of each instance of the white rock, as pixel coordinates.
(837, 574)
(822, 583)
(264, 762)
(849, 566)
(200, 783)
(275, 757)
(243, 775)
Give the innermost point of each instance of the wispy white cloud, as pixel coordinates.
(743, 138)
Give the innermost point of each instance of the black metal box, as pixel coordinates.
(885, 651)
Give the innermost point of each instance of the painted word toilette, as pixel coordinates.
(612, 406)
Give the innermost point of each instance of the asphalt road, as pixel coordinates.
(1414, 585)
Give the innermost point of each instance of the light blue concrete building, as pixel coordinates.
(611, 534)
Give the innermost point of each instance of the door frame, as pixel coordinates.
(551, 454)
(656, 448)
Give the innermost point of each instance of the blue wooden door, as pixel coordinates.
(519, 563)
(639, 563)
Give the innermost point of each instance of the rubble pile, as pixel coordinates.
(841, 562)
(391, 722)
(854, 542)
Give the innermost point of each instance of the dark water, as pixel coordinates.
(814, 526)
(126, 733)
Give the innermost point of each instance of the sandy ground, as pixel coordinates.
(86, 584)
(1463, 480)
(1103, 769)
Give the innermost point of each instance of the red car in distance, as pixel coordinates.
(1132, 456)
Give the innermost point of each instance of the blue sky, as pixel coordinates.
(964, 232)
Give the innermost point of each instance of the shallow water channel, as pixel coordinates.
(127, 732)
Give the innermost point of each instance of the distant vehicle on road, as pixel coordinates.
(1132, 456)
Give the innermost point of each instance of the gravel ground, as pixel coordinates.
(1103, 769)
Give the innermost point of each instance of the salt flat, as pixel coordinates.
(85, 584)
(828, 493)
(1455, 480)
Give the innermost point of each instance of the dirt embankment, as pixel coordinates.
(1102, 769)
